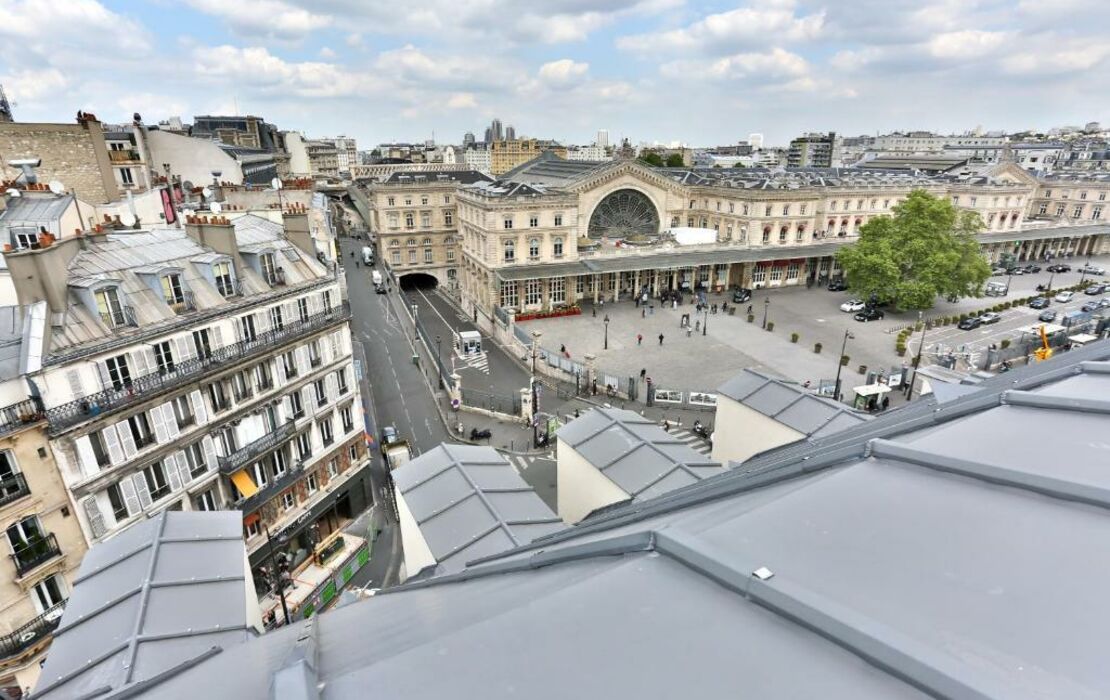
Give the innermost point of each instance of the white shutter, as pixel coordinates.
(182, 467)
(126, 439)
(171, 420)
(262, 321)
(209, 452)
(289, 313)
(130, 497)
(160, 433)
(317, 439)
(199, 409)
(281, 411)
(308, 400)
(170, 467)
(111, 441)
(336, 345)
(142, 489)
(216, 337)
(92, 514)
(102, 374)
(75, 385)
(183, 348)
(301, 354)
(85, 455)
(331, 387)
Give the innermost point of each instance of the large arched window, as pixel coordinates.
(622, 214)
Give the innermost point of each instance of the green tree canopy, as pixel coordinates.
(652, 158)
(926, 249)
(674, 160)
(738, 164)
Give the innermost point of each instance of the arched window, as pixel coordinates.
(395, 243)
(533, 247)
(449, 240)
(782, 234)
(427, 241)
(411, 243)
(557, 247)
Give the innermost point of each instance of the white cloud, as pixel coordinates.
(563, 71)
(255, 69)
(775, 65)
(762, 22)
(462, 100)
(327, 53)
(967, 44)
(33, 85)
(353, 40)
(1060, 58)
(415, 68)
(264, 18)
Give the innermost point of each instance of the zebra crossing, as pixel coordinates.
(523, 463)
(692, 440)
(478, 361)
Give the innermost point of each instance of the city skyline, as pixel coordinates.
(649, 70)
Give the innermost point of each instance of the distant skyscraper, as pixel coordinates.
(755, 141)
(510, 133)
(468, 140)
(603, 138)
(489, 135)
(495, 130)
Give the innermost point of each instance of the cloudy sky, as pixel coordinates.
(698, 71)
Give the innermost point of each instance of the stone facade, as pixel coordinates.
(73, 154)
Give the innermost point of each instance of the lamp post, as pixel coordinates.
(917, 360)
(535, 389)
(606, 331)
(439, 358)
(766, 306)
(705, 324)
(840, 363)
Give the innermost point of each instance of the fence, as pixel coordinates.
(501, 315)
(495, 403)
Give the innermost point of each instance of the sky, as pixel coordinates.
(699, 72)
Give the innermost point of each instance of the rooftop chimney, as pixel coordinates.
(216, 232)
(41, 274)
(295, 220)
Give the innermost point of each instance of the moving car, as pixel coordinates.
(1092, 270)
(1032, 269)
(376, 277)
(367, 255)
(379, 288)
(853, 305)
(1047, 316)
(1059, 268)
(995, 271)
(389, 436)
(1015, 271)
(969, 324)
(1089, 306)
(837, 285)
(1064, 296)
(869, 314)
(1039, 303)
(990, 317)
(741, 295)
(1104, 303)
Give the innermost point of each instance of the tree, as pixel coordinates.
(674, 160)
(738, 164)
(652, 158)
(926, 249)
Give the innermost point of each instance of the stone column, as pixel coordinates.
(655, 282)
(597, 284)
(591, 372)
(728, 275)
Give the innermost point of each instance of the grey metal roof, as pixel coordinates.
(12, 322)
(162, 592)
(35, 211)
(931, 552)
(635, 453)
(789, 403)
(470, 502)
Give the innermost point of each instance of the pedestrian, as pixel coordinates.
(563, 349)
(594, 388)
(639, 339)
(697, 325)
(576, 413)
(637, 302)
(651, 308)
(643, 313)
(643, 374)
(749, 308)
(660, 338)
(689, 331)
(674, 303)
(595, 311)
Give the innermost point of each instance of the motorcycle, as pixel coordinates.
(483, 434)
(702, 430)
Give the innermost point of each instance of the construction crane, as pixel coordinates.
(1044, 352)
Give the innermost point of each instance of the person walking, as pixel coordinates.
(749, 308)
(660, 338)
(639, 339)
(697, 325)
(643, 374)
(643, 313)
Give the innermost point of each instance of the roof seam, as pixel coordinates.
(144, 598)
(482, 497)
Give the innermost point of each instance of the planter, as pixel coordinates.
(844, 360)
(862, 369)
(1004, 343)
(817, 348)
(794, 337)
(751, 318)
(770, 326)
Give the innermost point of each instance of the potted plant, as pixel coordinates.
(794, 337)
(770, 325)
(844, 360)
(751, 317)
(817, 348)
(863, 369)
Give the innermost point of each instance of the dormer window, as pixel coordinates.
(273, 274)
(225, 283)
(112, 312)
(171, 289)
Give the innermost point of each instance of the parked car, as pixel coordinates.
(869, 314)
(1089, 306)
(837, 285)
(853, 305)
(1064, 296)
(990, 317)
(1104, 303)
(969, 324)
(1032, 269)
(1047, 316)
(1094, 289)
(1015, 271)
(389, 435)
(1038, 303)
(1092, 270)
(739, 296)
(379, 288)
(995, 271)
(1059, 268)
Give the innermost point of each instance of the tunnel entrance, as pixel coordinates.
(418, 280)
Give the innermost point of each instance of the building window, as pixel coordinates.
(312, 484)
(140, 430)
(558, 290)
(1096, 213)
(333, 468)
(410, 220)
(115, 500)
(225, 284)
(533, 248)
(508, 294)
(533, 292)
(776, 274)
(171, 289)
(118, 372)
(194, 455)
(326, 433)
(1077, 211)
(448, 219)
(802, 209)
(289, 364)
(759, 275)
(428, 255)
(111, 311)
(425, 219)
(533, 221)
(163, 356)
(558, 219)
(446, 199)
(557, 247)
(782, 234)
(252, 528)
(155, 477)
(510, 250)
(341, 381)
(1043, 209)
(1082, 195)
(1059, 210)
(205, 501)
(792, 271)
(395, 257)
(276, 320)
(304, 445)
(246, 325)
(674, 222)
(450, 255)
(832, 205)
(126, 176)
(288, 501)
(786, 210)
(974, 200)
(744, 209)
(346, 418)
(507, 223)
(47, 593)
(767, 210)
(321, 392)
(352, 453)
(767, 234)
(412, 256)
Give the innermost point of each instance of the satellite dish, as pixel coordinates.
(215, 207)
(56, 187)
(127, 219)
(276, 183)
(207, 192)
(13, 192)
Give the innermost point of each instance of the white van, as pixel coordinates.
(367, 255)
(376, 277)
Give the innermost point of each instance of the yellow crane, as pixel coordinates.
(1044, 352)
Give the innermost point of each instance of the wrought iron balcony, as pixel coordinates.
(13, 488)
(34, 553)
(142, 388)
(23, 638)
(20, 414)
(251, 451)
(188, 303)
(124, 156)
(265, 493)
(117, 319)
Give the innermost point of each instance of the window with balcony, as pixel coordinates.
(194, 455)
(172, 291)
(241, 386)
(225, 283)
(140, 429)
(277, 322)
(110, 308)
(296, 405)
(163, 356)
(304, 445)
(183, 412)
(264, 376)
(347, 419)
(202, 344)
(118, 505)
(289, 364)
(302, 309)
(326, 433)
(218, 396)
(261, 474)
(321, 392)
(155, 477)
(246, 328)
(119, 374)
(47, 593)
(341, 381)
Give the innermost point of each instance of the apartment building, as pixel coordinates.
(323, 158)
(506, 154)
(199, 369)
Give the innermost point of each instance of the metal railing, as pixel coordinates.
(238, 459)
(21, 413)
(188, 303)
(265, 493)
(124, 156)
(24, 637)
(13, 488)
(139, 389)
(125, 317)
(34, 553)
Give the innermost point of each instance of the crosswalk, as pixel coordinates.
(523, 463)
(692, 440)
(478, 361)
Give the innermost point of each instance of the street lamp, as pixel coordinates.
(766, 305)
(705, 325)
(535, 389)
(439, 358)
(606, 331)
(840, 363)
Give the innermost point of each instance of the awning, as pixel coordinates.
(244, 483)
(251, 519)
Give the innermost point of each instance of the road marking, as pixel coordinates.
(692, 440)
(478, 361)
(437, 313)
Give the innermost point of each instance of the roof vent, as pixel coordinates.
(763, 573)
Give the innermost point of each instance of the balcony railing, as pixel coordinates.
(142, 388)
(188, 303)
(265, 493)
(117, 319)
(123, 156)
(276, 278)
(249, 452)
(28, 635)
(13, 488)
(34, 553)
(20, 414)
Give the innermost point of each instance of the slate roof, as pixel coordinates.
(160, 593)
(470, 502)
(930, 552)
(462, 177)
(789, 403)
(635, 453)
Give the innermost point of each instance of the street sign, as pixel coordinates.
(455, 404)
